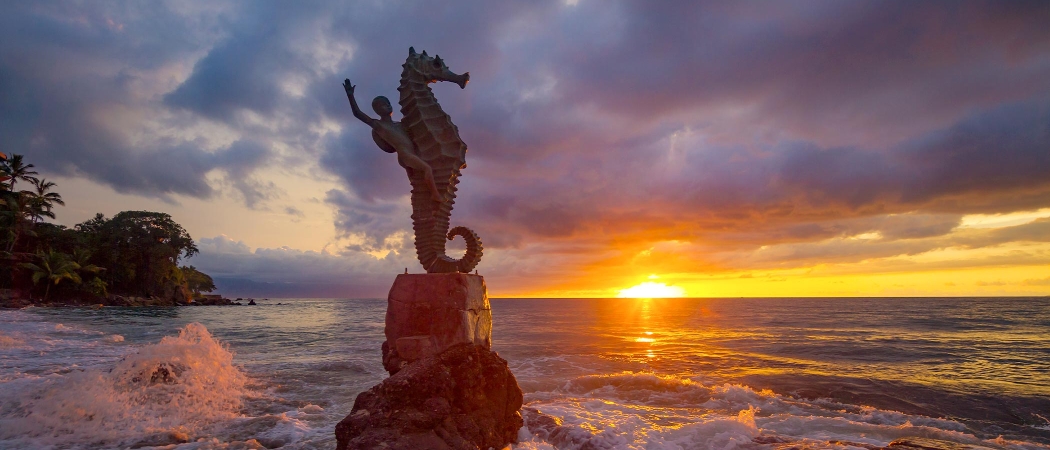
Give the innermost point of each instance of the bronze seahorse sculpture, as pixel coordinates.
(430, 149)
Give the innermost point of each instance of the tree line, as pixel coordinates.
(134, 253)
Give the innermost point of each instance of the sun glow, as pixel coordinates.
(650, 289)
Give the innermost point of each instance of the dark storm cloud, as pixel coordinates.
(244, 71)
(1004, 150)
(218, 88)
(71, 79)
(824, 71)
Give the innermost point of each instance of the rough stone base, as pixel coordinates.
(464, 398)
(428, 313)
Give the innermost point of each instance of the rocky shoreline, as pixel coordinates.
(121, 301)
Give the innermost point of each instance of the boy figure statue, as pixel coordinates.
(390, 137)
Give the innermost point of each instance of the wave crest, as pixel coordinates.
(177, 388)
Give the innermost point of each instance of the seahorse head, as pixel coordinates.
(434, 69)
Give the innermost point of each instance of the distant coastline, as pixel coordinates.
(8, 299)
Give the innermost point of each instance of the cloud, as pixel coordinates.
(223, 245)
(597, 130)
(284, 272)
(1037, 282)
(372, 224)
(78, 84)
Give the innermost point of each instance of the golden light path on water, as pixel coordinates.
(665, 332)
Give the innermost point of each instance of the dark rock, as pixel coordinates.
(13, 297)
(163, 373)
(214, 300)
(162, 440)
(921, 443)
(251, 301)
(14, 303)
(539, 424)
(175, 294)
(463, 398)
(121, 300)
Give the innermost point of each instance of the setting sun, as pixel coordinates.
(651, 289)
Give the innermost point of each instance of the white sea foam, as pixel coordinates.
(647, 411)
(160, 393)
(7, 341)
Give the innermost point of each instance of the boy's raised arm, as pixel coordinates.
(349, 88)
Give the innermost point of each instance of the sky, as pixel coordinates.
(722, 149)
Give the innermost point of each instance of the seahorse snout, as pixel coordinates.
(462, 80)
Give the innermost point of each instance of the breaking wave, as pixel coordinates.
(158, 394)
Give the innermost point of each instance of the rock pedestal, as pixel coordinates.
(447, 389)
(428, 313)
(464, 398)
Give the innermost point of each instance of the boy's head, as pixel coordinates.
(381, 105)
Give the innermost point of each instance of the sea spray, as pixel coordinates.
(180, 387)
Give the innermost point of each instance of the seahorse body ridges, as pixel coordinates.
(438, 143)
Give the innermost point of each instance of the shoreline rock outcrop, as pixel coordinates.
(447, 389)
(463, 398)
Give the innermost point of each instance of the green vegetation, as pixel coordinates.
(198, 282)
(134, 253)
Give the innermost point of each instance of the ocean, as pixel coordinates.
(777, 373)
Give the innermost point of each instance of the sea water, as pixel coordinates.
(597, 373)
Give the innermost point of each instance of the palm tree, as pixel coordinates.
(81, 256)
(54, 267)
(16, 170)
(3, 178)
(13, 217)
(42, 201)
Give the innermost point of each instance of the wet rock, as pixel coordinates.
(462, 398)
(539, 424)
(14, 302)
(132, 301)
(163, 373)
(920, 443)
(214, 300)
(412, 348)
(162, 439)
